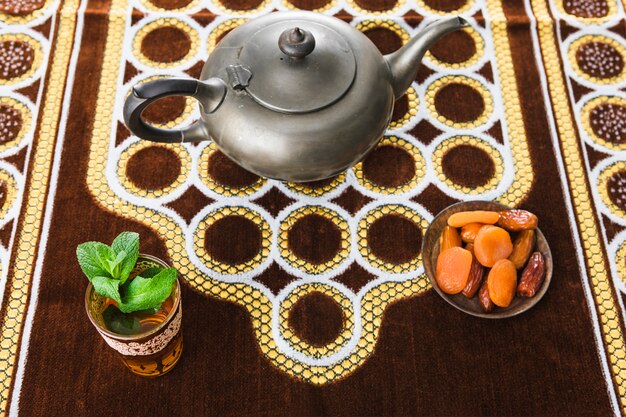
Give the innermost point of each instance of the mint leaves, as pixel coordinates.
(92, 257)
(119, 322)
(108, 287)
(127, 243)
(144, 293)
(108, 269)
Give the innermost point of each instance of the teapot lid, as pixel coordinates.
(294, 66)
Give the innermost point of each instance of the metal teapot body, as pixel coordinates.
(294, 96)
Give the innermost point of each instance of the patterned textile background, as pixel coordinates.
(310, 299)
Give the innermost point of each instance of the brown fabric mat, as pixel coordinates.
(310, 299)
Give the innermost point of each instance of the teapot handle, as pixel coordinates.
(209, 93)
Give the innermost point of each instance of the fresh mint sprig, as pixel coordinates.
(108, 269)
(144, 292)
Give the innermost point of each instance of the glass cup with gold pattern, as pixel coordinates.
(149, 343)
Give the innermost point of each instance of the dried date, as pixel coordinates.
(533, 276)
(474, 280)
(522, 247)
(483, 298)
(516, 220)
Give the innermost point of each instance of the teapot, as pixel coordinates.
(292, 96)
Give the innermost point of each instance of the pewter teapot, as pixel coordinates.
(293, 96)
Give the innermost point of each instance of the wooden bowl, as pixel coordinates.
(430, 252)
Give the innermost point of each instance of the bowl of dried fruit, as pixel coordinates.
(487, 259)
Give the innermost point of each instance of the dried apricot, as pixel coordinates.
(463, 218)
(492, 243)
(453, 268)
(469, 231)
(523, 245)
(502, 282)
(470, 247)
(449, 238)
(516, 220)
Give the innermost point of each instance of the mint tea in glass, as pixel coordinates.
(149, 342)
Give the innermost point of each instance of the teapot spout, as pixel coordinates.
(405, 61)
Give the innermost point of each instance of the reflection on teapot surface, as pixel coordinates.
(294, 96)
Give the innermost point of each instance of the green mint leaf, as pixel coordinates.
(127, 242)
(151, 272)
(119, 257)
(107, 287)
(120, 323)
(115, 265)
(144, 293)
(93, 259)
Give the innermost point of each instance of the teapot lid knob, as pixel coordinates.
(287, 56)
(296, 43)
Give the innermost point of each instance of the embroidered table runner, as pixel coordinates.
(311, 299)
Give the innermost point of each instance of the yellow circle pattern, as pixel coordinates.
(304, 347)
(322, 9)
(413, 104)
(11, 190)
(185, 164)
(455, 141)
(165, 22)
(478, 54)
(303, 264)
(420, 168)
(37, 59)
(586, 119)
(377, 213)
(602, 184)
(227, 10)
(438, 84)
(468, 4)
(399, 4)
(20, 20)
(27, 121)
(620, 262)
(366, 25)
(590, 20)
(225, 190)
(224, 268)
(304, 188)
(573, 48)
(222, 28)
(153, 7)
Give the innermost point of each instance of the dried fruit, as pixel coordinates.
(449, 238)
(474, 280)
(453, 268)
(463, 218)
(469, 232)
(492, 243)
(483, 298)
(516, 220)
(502, 281)
(533, 276)
(523, 245)
(470, 247)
